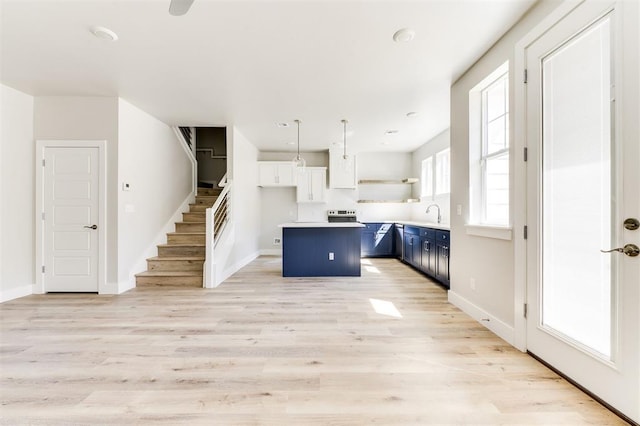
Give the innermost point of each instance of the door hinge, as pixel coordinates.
(525, 307)
(42, 215)
(526, 153)
(525, 232)
(43, 269)
(526, 76)
(43, 162)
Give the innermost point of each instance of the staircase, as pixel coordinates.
(180, 261)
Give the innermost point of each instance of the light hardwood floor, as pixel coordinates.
(266, 350)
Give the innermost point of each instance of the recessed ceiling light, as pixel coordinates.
(104, 33)
(404, 35)
(283, 125)
(412, 114)
(291, 143)
(391, 132)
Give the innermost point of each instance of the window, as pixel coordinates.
(489, 149)
(426, 189)
(442, 172)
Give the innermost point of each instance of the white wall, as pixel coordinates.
(87, 118)
(489, 261)
(159, 172)
(245, 202)
(17, 194)
(418, 210)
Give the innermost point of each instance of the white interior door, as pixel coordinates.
(582, 186)
(71, 211)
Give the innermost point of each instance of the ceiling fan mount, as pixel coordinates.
(179, 7)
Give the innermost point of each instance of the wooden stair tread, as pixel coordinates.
(181, 245)
(175, 258)
(185, 233)
(170, 274)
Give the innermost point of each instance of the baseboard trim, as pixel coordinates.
(237, 266)
(271, 252)
(126, 286)
(498, 327)
(16, 293)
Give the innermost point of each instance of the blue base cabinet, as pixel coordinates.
(442, 250)
(429, 255)
(412, 253)
(308, 252)
(427, 250)
(377, 240)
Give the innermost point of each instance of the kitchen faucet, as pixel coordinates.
(438, 207)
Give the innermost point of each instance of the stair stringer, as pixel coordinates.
(151, 250)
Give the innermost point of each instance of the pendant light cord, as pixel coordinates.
(344, 155)
(298, 123)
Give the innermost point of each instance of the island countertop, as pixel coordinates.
(321, 225)
(432, 225)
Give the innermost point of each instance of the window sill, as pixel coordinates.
(490, 231)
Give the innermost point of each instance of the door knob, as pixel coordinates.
(630, 250)
(92, 227)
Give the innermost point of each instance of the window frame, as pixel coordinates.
(484, 140)
(479, 158)
(427, 191)
(447, 171)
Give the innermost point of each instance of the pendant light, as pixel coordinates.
(346, 164)
(298, 161)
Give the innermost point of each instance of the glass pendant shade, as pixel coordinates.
(299, 162)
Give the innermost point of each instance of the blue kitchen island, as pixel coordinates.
(321, 249)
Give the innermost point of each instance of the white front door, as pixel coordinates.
(582, 184)
(70, 225)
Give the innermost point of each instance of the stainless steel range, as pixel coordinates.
(341, 216)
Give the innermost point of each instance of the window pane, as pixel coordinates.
(577, 199)
(496, 135)
(496, 186)
(442, 172)
(496, 99)
(427, 177)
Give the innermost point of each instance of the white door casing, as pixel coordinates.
(613, 376)
(70, 199)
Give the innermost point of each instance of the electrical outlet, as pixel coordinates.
(459, 209)
(472, 284)
(277, 241)
(331, 255)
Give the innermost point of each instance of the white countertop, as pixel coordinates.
(432, 225)
(321, 225)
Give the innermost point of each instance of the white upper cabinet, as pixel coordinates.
(312, 185)
(342, 173)
(276, 173)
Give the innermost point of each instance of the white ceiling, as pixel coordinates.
(255, 63)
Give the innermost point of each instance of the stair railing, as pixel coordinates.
(187, 134)
(223, 181)
(217, 219)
